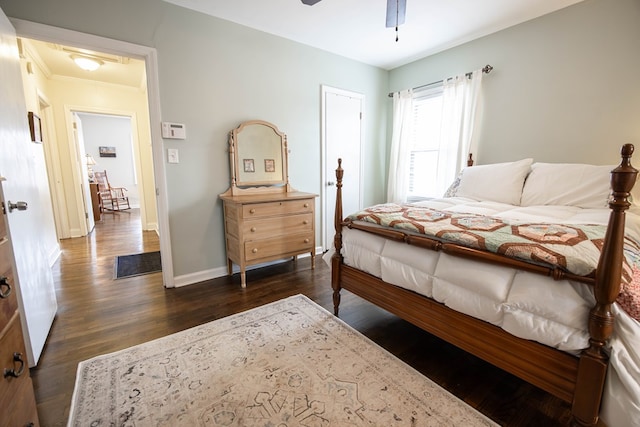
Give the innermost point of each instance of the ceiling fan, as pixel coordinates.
(396, 10)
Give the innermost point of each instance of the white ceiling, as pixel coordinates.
(351, 28)
(55, 62)
(356, 28)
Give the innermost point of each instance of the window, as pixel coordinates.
(425, 144)
(434, 130)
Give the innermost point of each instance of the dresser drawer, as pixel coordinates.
(9, 304)
(3, 226)
(255, 210)
(11, 342)
(279, 245)
(277, 226)
(22, 410)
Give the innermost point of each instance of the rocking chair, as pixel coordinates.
(114, 199)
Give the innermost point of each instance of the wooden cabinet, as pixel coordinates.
(96, 201)
(17, 400)
(267, 227)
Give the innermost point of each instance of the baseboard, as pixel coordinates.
(152, 226)
(54, 254)
(214, 273)
(200, 276)
(75, 232)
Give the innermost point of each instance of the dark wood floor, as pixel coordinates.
(97, 315)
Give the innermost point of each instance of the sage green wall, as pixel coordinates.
(213, 75)
(564, 87)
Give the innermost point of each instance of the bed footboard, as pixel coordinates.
(593, 360)
(579, 381)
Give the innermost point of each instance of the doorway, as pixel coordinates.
(153, 175)
(108, 143)
(341, 138)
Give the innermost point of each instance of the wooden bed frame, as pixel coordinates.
(577, 380)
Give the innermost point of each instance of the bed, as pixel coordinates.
(553, 299)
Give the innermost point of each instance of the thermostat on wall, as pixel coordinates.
(173, 130)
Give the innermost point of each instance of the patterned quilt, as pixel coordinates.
(574, 248)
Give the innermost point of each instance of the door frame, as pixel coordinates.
(55, 185)
(77, 149)
(28, 29)
(327, 212)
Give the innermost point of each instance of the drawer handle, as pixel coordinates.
(306, 240)
(252, 211)
(306, 205)
(17, 357)
(254, 250)
(5, 287)
(253, 229)
(305, 222)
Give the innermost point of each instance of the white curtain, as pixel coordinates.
(461, 116)
(398, 183)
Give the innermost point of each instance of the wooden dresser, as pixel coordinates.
(264, 218)
(267, 227)
(17, 400)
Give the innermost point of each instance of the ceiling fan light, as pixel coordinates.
(86, 63)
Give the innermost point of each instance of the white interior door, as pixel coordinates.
(84, 173)
(341, 138)
(19, 162)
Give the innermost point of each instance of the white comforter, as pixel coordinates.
(526, 305)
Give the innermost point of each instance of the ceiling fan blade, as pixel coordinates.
(310, 2)
(396, 10)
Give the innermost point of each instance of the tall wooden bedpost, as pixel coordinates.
(592, 368)
(336, 259)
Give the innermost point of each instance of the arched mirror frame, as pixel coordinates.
(249, 154)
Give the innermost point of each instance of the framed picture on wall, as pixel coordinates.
(35, 127)
(107, 151)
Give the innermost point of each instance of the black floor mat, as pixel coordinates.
(137, 264)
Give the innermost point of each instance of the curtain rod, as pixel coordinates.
(486, 69)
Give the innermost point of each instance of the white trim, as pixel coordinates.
(54, 254)
(200, 276)
(54, 172)
(117, 47)
(76, 173)
(214, 273)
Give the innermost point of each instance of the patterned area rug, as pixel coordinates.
(137, 264)
(288, 363)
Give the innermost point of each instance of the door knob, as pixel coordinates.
(330, 183)
(21, 206)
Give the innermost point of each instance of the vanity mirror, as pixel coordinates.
(264, 218)
(258, 158)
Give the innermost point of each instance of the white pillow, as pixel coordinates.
(498, 182)
(566, 184)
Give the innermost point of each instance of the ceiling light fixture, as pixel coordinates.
(86, 63)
